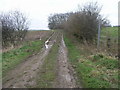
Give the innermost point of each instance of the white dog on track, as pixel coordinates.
(46, 44)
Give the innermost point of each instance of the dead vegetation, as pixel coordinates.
(30, 36)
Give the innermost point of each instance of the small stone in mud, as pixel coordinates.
(14, 87)
(11, 86)
(28, 80)
(9, 79)
(25, 72)
(38, 68)
(64, 66)
(34, 69)
(73, 66)
(43, 72)
(27, 50)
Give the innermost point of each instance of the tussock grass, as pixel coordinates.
(94, 71)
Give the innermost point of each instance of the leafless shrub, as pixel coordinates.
(14, 27)
(83, 24)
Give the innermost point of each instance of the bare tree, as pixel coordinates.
(84, 23)
(14, 27)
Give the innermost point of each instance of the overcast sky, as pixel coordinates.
(39, 10)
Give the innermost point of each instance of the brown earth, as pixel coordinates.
(65, 77)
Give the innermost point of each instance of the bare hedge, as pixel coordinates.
(83, 23)
(14, 27)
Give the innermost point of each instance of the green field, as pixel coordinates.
(109, 36)
(110, 32)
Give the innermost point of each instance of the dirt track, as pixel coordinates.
(24, 75)
(65, 78)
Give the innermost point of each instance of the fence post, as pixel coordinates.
(99, 29)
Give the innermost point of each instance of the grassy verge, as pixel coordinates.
(48, 70)
(13, 57)
(95, 71)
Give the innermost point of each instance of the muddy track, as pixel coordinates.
(24, 74)
(65, 78)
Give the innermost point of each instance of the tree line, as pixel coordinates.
(83, 23)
